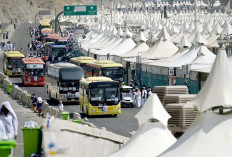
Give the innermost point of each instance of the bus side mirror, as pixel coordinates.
(124, 71)
(87, 92)
(57, 83)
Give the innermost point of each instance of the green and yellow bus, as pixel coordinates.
(12, 63)
(82, 61)
(100, 96)
(106, 68)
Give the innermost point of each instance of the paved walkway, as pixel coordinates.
(23, 115)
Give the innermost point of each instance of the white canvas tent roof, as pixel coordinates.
(190, 56)
(123, 47)
(141, 47)
(184, 42)
(153, 109)
(209, 135)
(162, 49)
(217, 89)
(152, 137)
(150, 140)
(108, 48)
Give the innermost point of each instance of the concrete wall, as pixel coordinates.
(81, 140)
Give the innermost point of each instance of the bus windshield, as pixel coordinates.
(58, 52)
(14, 63)
(35, 72)
(107, 96)
(71, 74)
(72, 86)
(115, 73)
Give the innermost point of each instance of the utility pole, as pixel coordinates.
(112, 13)
(196, 19)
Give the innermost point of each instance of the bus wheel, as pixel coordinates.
(115, 115)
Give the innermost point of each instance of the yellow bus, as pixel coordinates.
(12, 63)
(106, 68)
(100, 96)
(82, 61)
(45, 23)
(0, 28)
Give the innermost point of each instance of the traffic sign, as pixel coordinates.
(45, 12)
(80, 10)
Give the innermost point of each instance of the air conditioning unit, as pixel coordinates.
(182, 116)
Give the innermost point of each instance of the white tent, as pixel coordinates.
(152, 137)
(184, 43)
(123, 47)
(188, 57)
(199, 39)
(217, 89)
(162, 49)
(209, 135)
(141, 47)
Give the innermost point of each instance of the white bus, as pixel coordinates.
(63, 81)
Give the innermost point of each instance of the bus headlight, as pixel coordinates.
(117, 109)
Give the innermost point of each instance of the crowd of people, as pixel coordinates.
(9, 46)
(140, 95)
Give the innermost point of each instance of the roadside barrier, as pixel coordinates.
(14, 91)
(5, 83)
(24, 98)
(54, 112)
(76, 116)
(2, 77)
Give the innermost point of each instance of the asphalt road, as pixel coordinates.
(122, 124)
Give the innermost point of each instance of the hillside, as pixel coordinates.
(25, 10)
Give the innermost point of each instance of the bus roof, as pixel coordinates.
(62, 64)
(33, 61)
(84, 58)
(108, 65)
(58, 46)
(105, 62)
(53, 36)
(14, 54)
(74, 60)
(45, 22)
(46, 31)
(49, 43)
(96, 79)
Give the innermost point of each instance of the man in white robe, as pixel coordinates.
(9, 119)
(144, 96)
